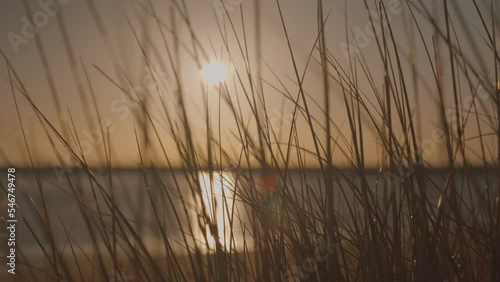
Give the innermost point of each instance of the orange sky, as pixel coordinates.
(118, 50)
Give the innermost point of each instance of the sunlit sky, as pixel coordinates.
(116, 55)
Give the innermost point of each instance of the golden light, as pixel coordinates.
(214, 72)
(217, 196)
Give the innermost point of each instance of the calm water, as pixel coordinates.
(136, 195)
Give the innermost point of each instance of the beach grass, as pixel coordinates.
(247, 207)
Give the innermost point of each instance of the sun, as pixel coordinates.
(214, 72)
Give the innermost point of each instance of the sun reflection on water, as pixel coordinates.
(218, 197)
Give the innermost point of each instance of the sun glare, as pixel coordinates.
(214, 72)
(217, 195)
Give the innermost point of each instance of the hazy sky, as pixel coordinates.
(115, 51)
